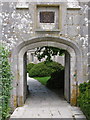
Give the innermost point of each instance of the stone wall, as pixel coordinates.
(19, 26)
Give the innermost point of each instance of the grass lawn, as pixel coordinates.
(42, 80)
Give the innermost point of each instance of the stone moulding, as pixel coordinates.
(68, 8)
(22, 5)
(48, 30)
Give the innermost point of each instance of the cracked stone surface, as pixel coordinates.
(44, 103)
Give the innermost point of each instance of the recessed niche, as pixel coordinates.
(47, 17)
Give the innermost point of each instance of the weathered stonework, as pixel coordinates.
(20, 33)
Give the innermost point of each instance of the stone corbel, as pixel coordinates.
(73, 5)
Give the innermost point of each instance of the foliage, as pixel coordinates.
(57, 80)
(47, 52)
(84, 98)
(39, 70)
(54, 65)
(42, 80)
(30, 66)
(84, 86)
(5, 83)
(44, 69)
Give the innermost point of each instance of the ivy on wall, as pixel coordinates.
(84, 98)
(5, 83)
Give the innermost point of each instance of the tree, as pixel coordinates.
(47, 52)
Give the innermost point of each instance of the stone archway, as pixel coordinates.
(74, 58)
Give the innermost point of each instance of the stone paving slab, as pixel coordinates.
(44, 103)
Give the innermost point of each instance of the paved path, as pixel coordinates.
(44, 103)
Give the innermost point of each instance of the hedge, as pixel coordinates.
(44, 69)
(57, 80)
(84, 98)
(5, 83)
(29, 66)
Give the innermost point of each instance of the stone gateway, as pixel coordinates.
(32, 24)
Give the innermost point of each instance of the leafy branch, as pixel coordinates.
(47, 52)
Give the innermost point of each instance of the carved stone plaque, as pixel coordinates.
(47, 17)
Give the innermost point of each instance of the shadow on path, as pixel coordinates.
(45, 103)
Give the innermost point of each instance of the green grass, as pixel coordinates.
(42, 80)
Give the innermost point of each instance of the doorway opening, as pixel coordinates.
(55, 74)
